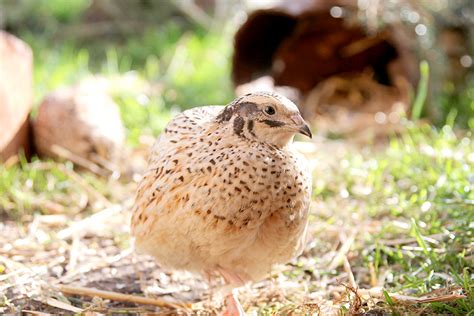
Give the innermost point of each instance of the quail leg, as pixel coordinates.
(233, 306)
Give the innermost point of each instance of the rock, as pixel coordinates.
(83, 120)
(16, 95)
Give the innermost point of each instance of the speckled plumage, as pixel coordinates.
(225, 190)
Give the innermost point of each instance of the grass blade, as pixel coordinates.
(422, 91)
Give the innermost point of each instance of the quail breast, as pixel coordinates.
(225, 189)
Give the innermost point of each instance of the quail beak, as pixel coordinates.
(305, 130)
(301, 126)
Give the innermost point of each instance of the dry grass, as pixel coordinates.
(53, 262)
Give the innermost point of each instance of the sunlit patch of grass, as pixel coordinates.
(190, 68)
(55, 64)
(45, 187)
(199, 72)
(420, 188)
(142, 116)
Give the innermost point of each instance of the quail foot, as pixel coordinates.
(226, 192)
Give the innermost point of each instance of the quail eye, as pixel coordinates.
(270, 110)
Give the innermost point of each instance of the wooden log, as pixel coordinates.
(16, 95)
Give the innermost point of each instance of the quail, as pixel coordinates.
(226, 192)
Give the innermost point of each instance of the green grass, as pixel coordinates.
(457, 107)
(171, 69)
(422, 92)
(421, 185)
(45, 187)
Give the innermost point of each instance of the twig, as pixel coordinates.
(106, 164)
(58, 304)
(73, 254)
(347, 268)
(355, 301)
(339, 257)
(23, 274)
(12, 264)
(378, 292)
(13, 160)
(436, 250)
(361, 45)
(402, 241)
(52, 219)
(373, 275)
(94, 266)
(73, 175)
(89, 223)
(414, 300)
(114, 296)
(84, 184)
(97, 29)
(30, 312)
(14, 273)
(80, 161)
(198, 15)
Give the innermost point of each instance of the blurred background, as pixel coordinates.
(388, 87)
(353, 67)
(348, 64)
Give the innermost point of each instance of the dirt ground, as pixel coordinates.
(47, 263)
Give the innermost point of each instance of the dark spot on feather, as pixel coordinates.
(236, 107)
(250, 125)
(238, 125)
(273, 123)
(226, 114)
